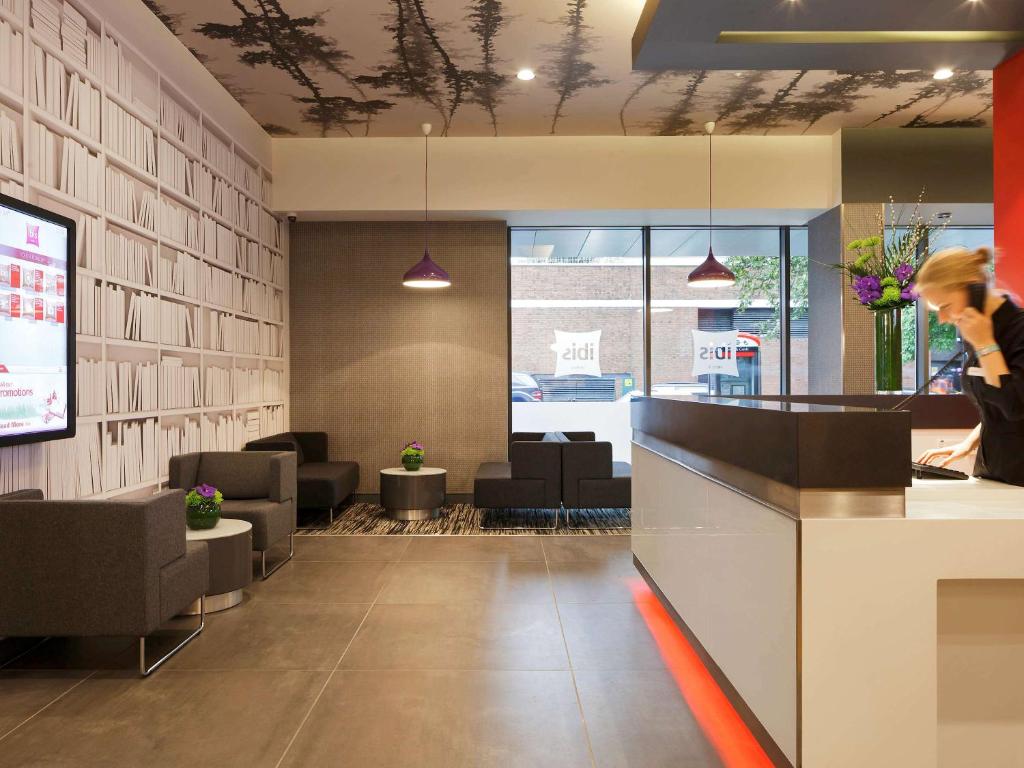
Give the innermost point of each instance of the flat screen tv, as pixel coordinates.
(37, 324)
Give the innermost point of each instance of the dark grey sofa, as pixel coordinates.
(531, 479)
(322, 484)
(590, 479)
(258, 487)
(98, 568)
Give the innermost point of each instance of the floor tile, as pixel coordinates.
(608, 636)
(172, 719)
(444, 720)
(488, 549)
(575, 549)
(508, 582)
(22, 694)
(266, 635)
(467, 636)
(641, 720)
(308, 582)
(350, 549)
(610, 581)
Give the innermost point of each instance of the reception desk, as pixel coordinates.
(856, 617)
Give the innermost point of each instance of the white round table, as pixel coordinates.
(415, 495)
(229, 544)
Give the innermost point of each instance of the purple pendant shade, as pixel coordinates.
(711, 273)
(426, 274)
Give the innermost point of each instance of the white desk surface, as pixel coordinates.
(421, 471)
(972, 499)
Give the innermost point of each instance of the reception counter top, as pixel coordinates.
(852, 624)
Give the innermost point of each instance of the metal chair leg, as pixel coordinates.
(263, 559)
(518, 527)
(145, 670)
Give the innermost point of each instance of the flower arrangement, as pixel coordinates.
(202, 507)
(412, 456)
(883, 270)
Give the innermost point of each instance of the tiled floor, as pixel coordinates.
(379, 651)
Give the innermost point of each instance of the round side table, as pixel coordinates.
(413, 495)
(230, 546)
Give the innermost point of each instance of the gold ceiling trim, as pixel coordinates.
(856, 37)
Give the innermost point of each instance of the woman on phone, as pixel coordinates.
(955, 282)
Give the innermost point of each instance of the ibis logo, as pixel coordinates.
(577, 354)
(714, 352)
(32, 234)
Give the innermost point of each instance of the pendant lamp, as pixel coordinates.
(711, 273)
(426, 273)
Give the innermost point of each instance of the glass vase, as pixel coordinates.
(202, 516)
(888, 351)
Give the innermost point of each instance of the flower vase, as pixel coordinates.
(202, 516)
(888, 351)
(412, 463)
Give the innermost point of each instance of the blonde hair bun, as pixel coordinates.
(954, 268)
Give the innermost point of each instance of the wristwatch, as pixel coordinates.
(988, 349)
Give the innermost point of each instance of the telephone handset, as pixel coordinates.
(976, 295)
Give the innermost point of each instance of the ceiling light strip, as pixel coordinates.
(855, 37)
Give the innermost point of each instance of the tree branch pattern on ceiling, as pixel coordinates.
(456, 59)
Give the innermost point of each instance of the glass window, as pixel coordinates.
(715, 340)
(798, 260)
(577, 330)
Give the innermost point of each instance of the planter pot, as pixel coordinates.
(888, 351)
(412, 463)
(201, 517)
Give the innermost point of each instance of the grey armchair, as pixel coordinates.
(98, 568)
(322, 484)
(590, 478)
(531, 479)
(258, 487)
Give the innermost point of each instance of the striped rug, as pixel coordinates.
(464, 520)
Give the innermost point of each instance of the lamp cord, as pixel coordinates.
(710, 181)
(426, 192)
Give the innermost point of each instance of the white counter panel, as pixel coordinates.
(728, 566)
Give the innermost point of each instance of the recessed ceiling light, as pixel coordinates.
(738, 74)
(525, 74)
(943, 73)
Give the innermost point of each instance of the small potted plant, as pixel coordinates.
(412, 456)
(202, 507)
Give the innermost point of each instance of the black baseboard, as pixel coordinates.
(774, 752)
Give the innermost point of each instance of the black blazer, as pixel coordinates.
(1001, 453)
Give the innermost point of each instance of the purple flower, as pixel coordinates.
(416, 444)
(868, 288)
(903, 272)
(206, 491)
(908, 294)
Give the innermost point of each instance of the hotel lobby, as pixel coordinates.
(608, 383)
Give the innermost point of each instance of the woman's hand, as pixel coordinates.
(976, 328)
(943, 457)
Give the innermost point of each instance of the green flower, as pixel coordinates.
(889, 281)
(890, 295)
(855, 245)
(862, 261)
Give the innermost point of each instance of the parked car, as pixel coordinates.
(525, 388)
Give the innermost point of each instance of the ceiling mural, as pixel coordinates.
(381, 67)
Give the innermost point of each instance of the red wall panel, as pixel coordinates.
(1008, 156)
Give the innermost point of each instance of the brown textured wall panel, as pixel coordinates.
(375, 364)
(860, 220)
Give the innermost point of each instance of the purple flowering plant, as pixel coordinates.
(203, 495)
(415, 448)
(884, 266)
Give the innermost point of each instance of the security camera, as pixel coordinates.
(293, 217)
